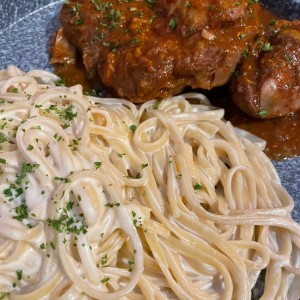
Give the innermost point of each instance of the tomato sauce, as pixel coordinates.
(281, 134)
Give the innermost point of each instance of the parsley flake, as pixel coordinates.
(21, 212)
(97, 164)
(132, 128)
(19, 274)
(198, 187)
(262, 113)
(173, 23)
(104, 280)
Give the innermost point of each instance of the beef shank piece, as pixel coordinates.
(267, 84)
(154, 49)
(147, 49)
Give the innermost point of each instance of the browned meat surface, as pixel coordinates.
(63, 51)
(147, 49)
(268, 82)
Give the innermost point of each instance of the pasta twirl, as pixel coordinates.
(101, 199)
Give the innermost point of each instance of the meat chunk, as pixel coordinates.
(64, 51)
(268, 82)
(147, 49)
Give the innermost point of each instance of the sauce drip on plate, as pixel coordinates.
(281, 134)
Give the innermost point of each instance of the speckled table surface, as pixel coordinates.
(24, 40)
(289, 9)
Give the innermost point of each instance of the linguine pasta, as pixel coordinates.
(101, 199)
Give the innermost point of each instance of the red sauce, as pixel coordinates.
(281, 134)
(73, 74)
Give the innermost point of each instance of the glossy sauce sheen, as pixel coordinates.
(281, 134)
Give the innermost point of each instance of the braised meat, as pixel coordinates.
(154, 49)
(146, 50)
(268, 82)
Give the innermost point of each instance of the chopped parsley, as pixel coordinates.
(74, 145)
(79, 20)
(267, 47)
(26, 168)
(2, 126)
(156, 105)
(132, 128)
(3, 138)
(173, 23)
(262, 113)
(198, 187)
(113, 16)
(134, 41)
(63, 179)
(52, 245)
(59, 82)
(69, 224)
(288, 58)
(12, 191)
(104, 280)
(66, 114)
(130, 265)
(91, 92)
(111, 205)
(21, 212)
(245, 53)
(76, 8)
(69, 205)
(19, 274)
(138, 175)
(105, 44)
(42, 246)
(97, 164)
(3, 295)
(151, 3)
(136, 219)
(104, 260)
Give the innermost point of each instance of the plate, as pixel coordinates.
(25, 31)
